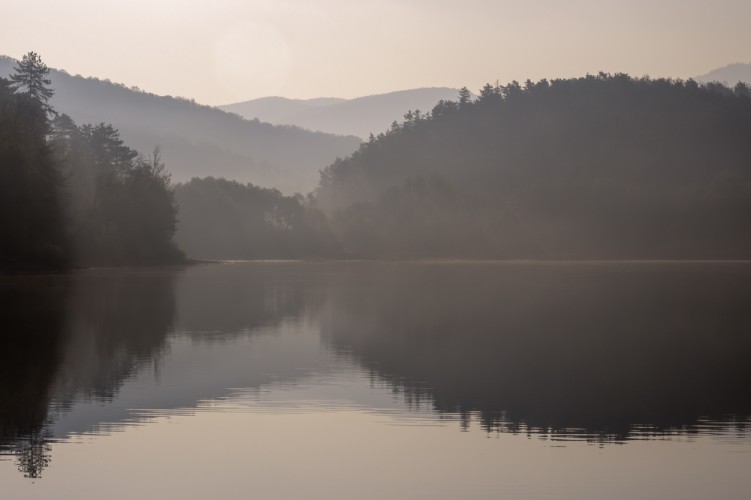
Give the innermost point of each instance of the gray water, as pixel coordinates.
(378, 380)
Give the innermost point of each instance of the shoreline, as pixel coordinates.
(39, 271)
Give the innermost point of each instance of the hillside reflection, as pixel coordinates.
(602, 350)
(30, 358)
(71, 338)
(614, 351)
(75, 343)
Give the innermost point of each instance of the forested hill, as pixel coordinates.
(75, 195)
(198, 140)
(360, 116)
(603, 166)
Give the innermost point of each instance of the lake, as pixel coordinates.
(378, 380)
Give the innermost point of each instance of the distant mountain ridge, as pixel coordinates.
(360, 116)
(276, 109)
(730, 74)
(199, 140)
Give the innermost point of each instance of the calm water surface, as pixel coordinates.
(378, 380)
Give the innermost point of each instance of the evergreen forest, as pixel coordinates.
(599, 167)
(75, 195)
(605, 166)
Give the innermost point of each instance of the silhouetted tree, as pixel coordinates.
(31, 226)
(464, 96)
(30, 79)
(71, 194)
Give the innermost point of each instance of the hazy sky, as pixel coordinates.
(223, 51)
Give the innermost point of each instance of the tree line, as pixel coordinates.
(74, 195)
(604, 166)
(223, 219)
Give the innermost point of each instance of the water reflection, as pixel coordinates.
(72, 338)
(32, 316)
(86, 352)
(597, 350)
(570, 351)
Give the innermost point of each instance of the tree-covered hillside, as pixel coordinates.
(222, 219)
(603, 166)
(75, 195)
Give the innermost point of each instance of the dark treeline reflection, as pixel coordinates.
(74, 337)
(581, 349)
(220, 300)
(116, 323)
(80, 338)
(30, 359)
(599, 349)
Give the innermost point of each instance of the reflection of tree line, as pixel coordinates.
(78, 337)
(30, 358)
(221, 299)
(73, 337)
(598, 349)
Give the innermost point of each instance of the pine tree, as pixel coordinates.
(32, 232)
(465, 96)
(30, 78)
